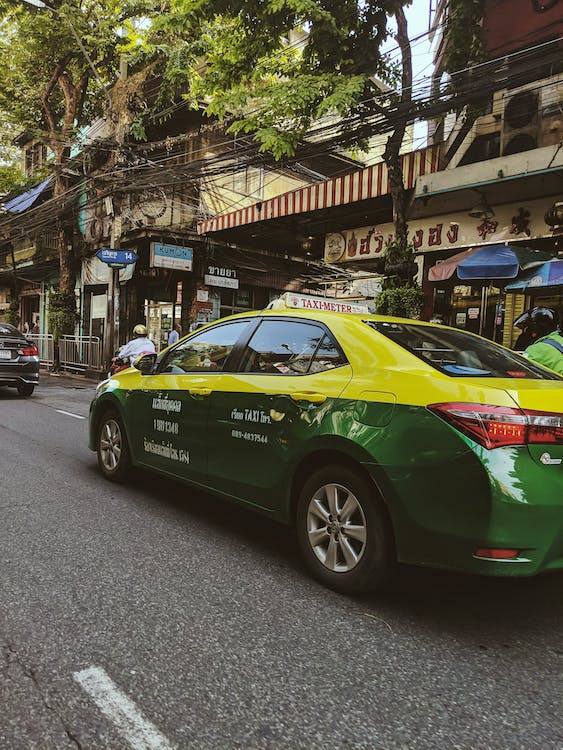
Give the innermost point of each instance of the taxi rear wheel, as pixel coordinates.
(112, 448)
(344, 532)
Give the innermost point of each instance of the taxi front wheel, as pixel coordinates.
(112, 448)
(344, 532)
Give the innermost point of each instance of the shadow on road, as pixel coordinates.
(472, 607)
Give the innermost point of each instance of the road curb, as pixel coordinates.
(70, 377)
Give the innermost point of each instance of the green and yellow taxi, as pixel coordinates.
(382, 440)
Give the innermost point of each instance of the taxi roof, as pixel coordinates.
(296, 303)
(299, 305)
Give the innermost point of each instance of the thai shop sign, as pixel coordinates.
(220, 276)
(443, 232)
(171, 256)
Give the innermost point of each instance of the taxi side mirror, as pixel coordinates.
(145, 363)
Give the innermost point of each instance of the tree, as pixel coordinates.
(12, 177)
(54, 64)
(236, 55)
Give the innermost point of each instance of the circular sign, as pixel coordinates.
(335, 245)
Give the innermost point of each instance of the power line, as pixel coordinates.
(133, 178)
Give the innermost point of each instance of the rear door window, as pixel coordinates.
(460, 354)
(290, 347)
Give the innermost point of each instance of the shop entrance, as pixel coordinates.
(478, 309)
(30, 312)
(160, 319)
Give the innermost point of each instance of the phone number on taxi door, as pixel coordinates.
(253, 437)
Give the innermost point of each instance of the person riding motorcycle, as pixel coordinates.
(139, 344)
(547, 348)
(530, 331)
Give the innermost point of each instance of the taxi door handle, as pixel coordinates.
(313, 398)
(200, 391)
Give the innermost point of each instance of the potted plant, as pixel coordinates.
(399, 260)
(400, 296)
(403, 301)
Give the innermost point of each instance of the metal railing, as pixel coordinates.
(79, 353)
(76, 353)
(45, 346)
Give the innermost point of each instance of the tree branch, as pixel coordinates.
(70, 95)
(49, 114)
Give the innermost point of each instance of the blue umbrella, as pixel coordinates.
(548, 274)
(499, 262)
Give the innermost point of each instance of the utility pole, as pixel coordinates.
(111, 333)
(111, 337)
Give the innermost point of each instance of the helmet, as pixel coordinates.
(544, 320)
(140, 330)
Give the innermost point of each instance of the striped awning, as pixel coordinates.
(372, 182)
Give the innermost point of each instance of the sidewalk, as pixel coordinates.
(44, 373)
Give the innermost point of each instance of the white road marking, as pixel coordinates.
(70, 414)
(138, 731)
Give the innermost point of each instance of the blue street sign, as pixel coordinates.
(116, 258)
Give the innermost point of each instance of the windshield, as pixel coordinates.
(460, 354)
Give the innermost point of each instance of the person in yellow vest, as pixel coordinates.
(547, 350)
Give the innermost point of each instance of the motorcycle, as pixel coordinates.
(118, 364)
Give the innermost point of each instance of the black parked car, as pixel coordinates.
(19, 360)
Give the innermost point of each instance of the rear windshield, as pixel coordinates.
(460, 354)
(7, 330)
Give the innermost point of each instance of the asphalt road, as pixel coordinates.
(150, 616)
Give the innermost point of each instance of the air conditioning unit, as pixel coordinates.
(532, 116)
(520, 123)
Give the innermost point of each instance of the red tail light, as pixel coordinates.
(495, 426)
(29, 351)
(497, 554)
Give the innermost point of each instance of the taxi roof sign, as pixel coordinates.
(293, 301)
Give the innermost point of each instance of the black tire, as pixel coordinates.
(355, 550)
(25, 389)
(112, 448)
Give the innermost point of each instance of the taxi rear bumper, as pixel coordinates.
(501, 499)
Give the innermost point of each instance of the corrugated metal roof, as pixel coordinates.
(24, 201)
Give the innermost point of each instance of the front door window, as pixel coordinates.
(171, 408)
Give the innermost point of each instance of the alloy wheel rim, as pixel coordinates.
(110, 445)
(336, 528)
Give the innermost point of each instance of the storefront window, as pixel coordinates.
(243, 299)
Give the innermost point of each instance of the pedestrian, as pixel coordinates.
(35, 328)
(174, 334)
(139, 344)
(547, 349)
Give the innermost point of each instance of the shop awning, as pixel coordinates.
(25, 200)
(548, 274)
(488, 262)
(364, 184)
